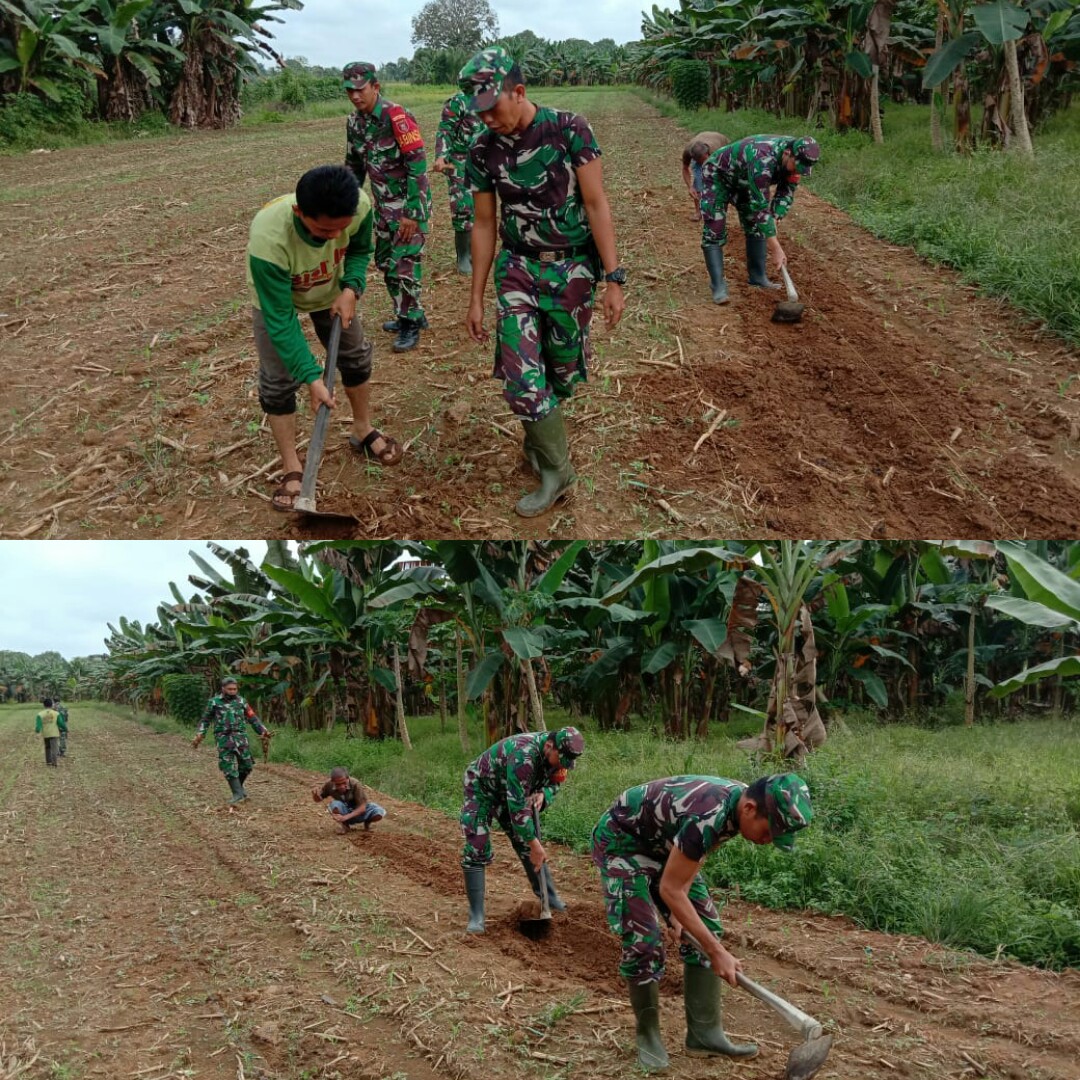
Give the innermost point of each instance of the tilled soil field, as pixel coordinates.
(902, 405)
(149, 932)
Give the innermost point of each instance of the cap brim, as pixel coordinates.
(785, 842)
(568, 762)
(355, 84)
(484, 100)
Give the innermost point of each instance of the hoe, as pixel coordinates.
(789, 310)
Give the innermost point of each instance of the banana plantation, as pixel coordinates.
(1017, 61)
(676, 634)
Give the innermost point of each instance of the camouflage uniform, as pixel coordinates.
(744, 173)
(457, 128)
(633, 839)
(229, 714)
(386, 146)
(62, 724)
(546, 273)
(498, 784)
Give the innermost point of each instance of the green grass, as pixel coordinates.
(1010, 226)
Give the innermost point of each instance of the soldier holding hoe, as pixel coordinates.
(384, 144)
(230, 714)
(745, 173)
(558, 240)
(504, 783)
(650, 847)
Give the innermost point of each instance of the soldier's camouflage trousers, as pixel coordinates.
(714, 203)
(476, 818)
(630, 882)
(401, 268)
(543, 316)
(234, 757)
(461, 196)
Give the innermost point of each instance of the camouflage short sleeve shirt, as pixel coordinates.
(457, 129)
(692, 813)
(533, 175)
(386, 144)
(749, 169)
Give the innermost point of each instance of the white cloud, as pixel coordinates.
(333, 32)
(59, 595)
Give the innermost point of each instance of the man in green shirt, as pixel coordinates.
(309, 252)
(45, 725)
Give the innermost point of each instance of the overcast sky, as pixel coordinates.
(60, 594)
(333, 32)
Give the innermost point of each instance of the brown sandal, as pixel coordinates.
(281, 493)
(390, 454)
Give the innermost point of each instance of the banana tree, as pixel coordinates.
(45, 43)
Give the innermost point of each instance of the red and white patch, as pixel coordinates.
(406, 132)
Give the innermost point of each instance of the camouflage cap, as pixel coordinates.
(482, 77)
(807, 152)
(787, 800)
(571, 745)
(357, 75)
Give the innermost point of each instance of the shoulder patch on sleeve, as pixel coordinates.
(406, 132)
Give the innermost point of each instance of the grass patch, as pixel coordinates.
(988, 215)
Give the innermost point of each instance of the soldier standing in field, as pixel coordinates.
(457, 128)
(45, 725)
(230, 713)
(650, 847)
(694, 155)
(558, 240)
(744, 173)
(62, 724)
(384, 143)
(504, 784)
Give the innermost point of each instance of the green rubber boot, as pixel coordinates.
(554, 900)
(238, 793)
(463, 250)
(243, 778)
(756, 251)
(645, 999)
(704, 1029)
(546, 439)
(474, 889)
(714, 260)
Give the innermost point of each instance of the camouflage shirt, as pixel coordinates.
(692, 813)
(229, 716)
(748, 169)
(457, 129)
(512, 770)
(386, 145)
(533, 174)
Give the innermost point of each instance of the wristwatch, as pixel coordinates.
(618, 276)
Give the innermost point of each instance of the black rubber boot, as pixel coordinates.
(704, 1029)
(408, 335)
(554, 900)
(645, 999)
(546, 439)
(474, 889)
(243, 777)
(714, 260)
(756, 251)
(463, 249)
(238, 793)
(392, 326)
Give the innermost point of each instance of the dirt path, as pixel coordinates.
(148, 932)
(903, 405)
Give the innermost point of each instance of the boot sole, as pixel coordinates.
(720, 1053)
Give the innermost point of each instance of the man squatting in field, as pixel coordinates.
(309, 252)
(229, 713)
(694, 155)
(384, 144)
(457, 128)
(557, 239)
(744, 173)
(45, 725)
(504, 783)
(349, 804)
(650, 847)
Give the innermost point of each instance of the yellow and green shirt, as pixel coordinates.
(289, 271)
(45, 724)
